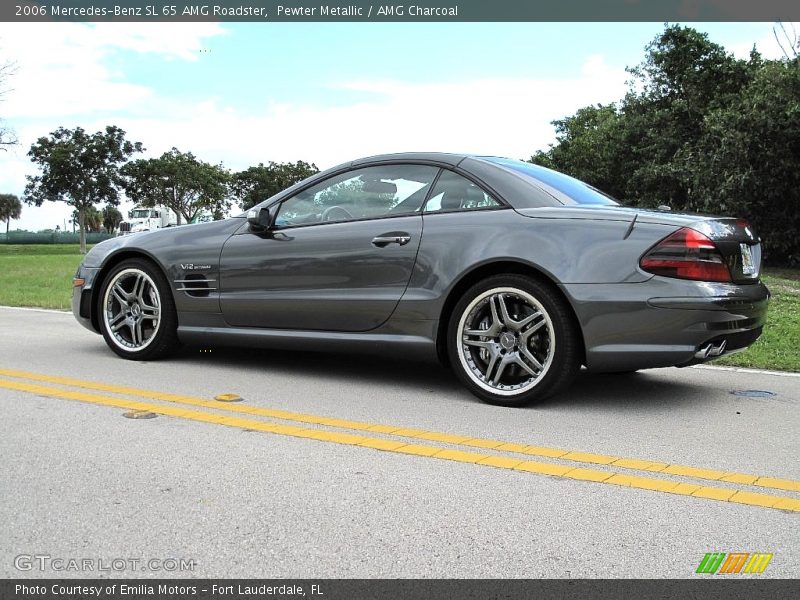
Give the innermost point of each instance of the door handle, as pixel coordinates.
(381, 241)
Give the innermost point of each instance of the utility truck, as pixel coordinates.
(148, 219)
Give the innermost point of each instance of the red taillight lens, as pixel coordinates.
(686, 254)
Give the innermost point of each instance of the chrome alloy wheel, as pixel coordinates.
(132, 310)
(505, 341)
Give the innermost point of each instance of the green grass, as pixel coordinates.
(777, 348)
(41, 276)
(40, 249)
(38, 274)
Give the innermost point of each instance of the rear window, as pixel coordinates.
(574, 189)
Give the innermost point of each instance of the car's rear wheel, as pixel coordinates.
(512, 341)
(136, 311)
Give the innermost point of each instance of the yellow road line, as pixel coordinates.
(431, 436)
(592, 475)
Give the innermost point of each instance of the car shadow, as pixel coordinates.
(608, 392)
(346, 367)
(627, 392)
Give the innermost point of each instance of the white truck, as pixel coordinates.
(148, 219)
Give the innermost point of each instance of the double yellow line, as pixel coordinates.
(179, 406)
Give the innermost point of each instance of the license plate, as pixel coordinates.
(748, 267)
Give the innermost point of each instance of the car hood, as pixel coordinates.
(148, 240)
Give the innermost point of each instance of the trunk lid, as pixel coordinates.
(736, 239)
(738, 243)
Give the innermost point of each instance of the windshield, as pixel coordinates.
(142, 213)
(577, 191)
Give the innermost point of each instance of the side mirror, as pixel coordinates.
(258, 218)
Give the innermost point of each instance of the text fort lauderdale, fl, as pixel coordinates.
(144, 589)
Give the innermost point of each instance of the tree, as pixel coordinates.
(590, 147)
(92, 220)
(179, 181)
(637, 148)
(111, 218)
(10, 208)
(7, 136)
(788, 39)
(683, 77)
(256, 184)
(747, 160)
(79, 169)
(700, 131)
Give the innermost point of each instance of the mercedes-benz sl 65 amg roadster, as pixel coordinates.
(513, 274)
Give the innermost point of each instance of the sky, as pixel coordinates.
(241, 94)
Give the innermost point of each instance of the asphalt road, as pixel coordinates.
(206, 484)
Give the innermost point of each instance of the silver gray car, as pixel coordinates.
(513, 274)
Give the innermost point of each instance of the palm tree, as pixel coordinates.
(10, 208)
(111, 218)
(92, 219)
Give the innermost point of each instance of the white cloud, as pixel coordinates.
(767, 44)
(62, 73)
(169, 40)
(503, 116)
(61, 67)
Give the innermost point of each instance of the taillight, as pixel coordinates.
(686, 254)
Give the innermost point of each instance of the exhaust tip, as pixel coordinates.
(703, 351)
(711, 350)
(720, 348)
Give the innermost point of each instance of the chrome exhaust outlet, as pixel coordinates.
(711, 350)
(703, 352)
(719, 349)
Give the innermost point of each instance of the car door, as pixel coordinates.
(338, 256)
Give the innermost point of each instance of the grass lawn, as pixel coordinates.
(38, 274)
(41, 276)
(777, 348)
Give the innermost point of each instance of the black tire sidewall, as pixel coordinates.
(165, 339)
(566, 359)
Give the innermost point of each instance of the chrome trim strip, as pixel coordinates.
(192, 280)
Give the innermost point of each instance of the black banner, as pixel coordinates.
(705, 588)
(423, 10)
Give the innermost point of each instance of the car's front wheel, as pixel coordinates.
(136, 311)
(512, 341)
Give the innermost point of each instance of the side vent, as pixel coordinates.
(197, 286)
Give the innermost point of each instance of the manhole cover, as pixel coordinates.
(139, 414)
(753, 393)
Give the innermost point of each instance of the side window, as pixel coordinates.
(454, 192)
(370, 193)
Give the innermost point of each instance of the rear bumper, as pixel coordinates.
(666, 322)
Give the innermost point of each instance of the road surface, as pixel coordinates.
(365, 467)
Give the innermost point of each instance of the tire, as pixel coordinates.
(531, 349)
(136, 311)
